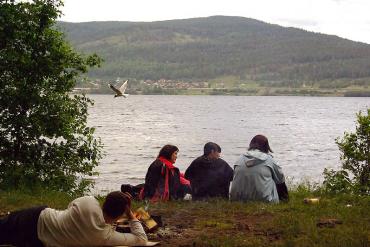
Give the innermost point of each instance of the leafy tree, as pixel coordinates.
(44, 139)
(354, 174)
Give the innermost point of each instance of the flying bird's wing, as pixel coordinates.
(114, 89)
(123, 87)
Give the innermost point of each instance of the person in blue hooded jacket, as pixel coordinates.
(257, 176)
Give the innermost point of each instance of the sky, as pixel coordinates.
(348, 19)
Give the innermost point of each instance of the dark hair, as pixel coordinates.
(211, 146)
(261, 143)
(115, 204)
(167, 151)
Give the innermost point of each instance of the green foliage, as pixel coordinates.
(44, 140)
(337, 181)
(354, 174)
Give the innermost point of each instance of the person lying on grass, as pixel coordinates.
(83, 223)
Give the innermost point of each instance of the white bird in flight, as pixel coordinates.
(121, 91)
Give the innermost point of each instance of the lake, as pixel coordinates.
(301, 131)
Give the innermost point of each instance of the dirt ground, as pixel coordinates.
(182, 229)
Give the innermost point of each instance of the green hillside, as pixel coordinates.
(210, 49)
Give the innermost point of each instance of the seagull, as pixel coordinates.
(121, 91)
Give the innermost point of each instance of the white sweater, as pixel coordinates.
(82, 224)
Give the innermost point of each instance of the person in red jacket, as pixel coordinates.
(163, 181)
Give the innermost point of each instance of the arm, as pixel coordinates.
(152, 178)
(282, 192)
(277, 173)
(189, 171)
(136, 227)
(137, 235)
(278, 176)
(229, 172)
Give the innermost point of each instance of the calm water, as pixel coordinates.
(301, 131)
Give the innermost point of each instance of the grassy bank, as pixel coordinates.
(223, 223)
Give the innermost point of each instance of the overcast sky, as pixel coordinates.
(346, 18)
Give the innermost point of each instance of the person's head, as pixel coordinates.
(115, 205)
(212, 150)
(261, 143)
(169, 152)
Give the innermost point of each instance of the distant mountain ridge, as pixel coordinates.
(216, 47)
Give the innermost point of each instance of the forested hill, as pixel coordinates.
(216, 47)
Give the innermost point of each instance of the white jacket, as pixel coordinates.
(82, 224)
(255, 177)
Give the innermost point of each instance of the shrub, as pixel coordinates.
(354, 174)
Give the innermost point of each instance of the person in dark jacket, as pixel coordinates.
(209, 175)
(163, 181)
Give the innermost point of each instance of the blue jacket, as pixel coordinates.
(255, 177)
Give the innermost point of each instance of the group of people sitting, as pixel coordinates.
(256, 177)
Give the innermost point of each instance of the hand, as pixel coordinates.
(128, 210)
(128, 198)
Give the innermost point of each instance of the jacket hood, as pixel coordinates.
(205, 162)
(255, 157)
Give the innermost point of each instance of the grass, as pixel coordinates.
(16, 200)
(222, 223)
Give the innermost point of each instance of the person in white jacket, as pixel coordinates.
(83, 223)
(257, 175)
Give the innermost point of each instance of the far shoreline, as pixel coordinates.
(345, 95)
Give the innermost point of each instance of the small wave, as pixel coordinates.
(115, 172)
(135, 178)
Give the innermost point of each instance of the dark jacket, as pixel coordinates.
(209, 178)
(155, 182)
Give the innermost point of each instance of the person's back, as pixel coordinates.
(209, 175)
(209, 178)
(81, 223)
(256, 174)
(255, 178)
